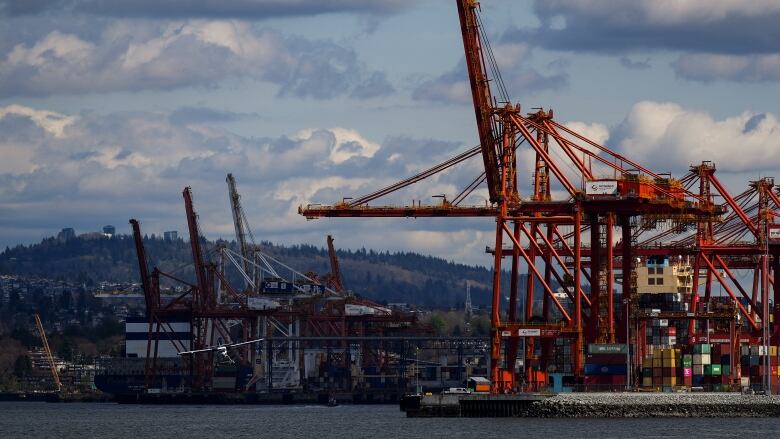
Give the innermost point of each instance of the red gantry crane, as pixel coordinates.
(578, 186)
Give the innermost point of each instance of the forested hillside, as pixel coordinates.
(387, 277)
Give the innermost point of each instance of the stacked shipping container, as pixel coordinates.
(606, 367)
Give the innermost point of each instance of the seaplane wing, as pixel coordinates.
(197, 351)
(244, 343)
(222, 346)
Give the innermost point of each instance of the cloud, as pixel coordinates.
(374, 86)
(26, 7)
(89, 169)
(719, 39)
(596, 132)
(242, 9)
(185, 115)
(713, 67)
(716, 26)
(513, 62)
(634, 65)
(51, 122)
(667, 137)
(133, 57)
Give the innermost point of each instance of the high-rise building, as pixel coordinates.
(171, 235)
(109, 230)
(66, 234)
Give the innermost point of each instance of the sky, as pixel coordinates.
(109, 109)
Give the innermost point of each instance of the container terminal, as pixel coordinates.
(623, 278)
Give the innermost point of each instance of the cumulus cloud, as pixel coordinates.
(179, 54)
(740, 39)
(713, 67)
(596, 132)
(513, 62)
(668, 137)
(244, 9)
(90, 169)
(726, 26)
(51, 122)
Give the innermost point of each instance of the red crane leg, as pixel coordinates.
(595, 278)
(512, 343)
(547, 343)
(578, 347)
(754, 297)
(776, 293)
(627, 269)
(694, 296)
(610, 280)
(530, 288)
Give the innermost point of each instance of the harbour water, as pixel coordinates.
(87, 420)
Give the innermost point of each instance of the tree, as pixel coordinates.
(22, 366)
(64, 300)
(438, 323)
(81, 305)
(26, 337)
(456, 331)
(66, 351)
(14, 300)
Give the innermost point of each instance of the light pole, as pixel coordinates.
(417, 369)
(628, 345)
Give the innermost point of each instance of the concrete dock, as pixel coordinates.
(597, 405)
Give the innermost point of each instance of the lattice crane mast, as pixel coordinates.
(55, 376)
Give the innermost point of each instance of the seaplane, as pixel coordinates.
(222, 350)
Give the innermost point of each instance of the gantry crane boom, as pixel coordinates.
(335, 271)
(143, 269)
(55, 376)
(480, 92)
(235, 208)
(197, 252)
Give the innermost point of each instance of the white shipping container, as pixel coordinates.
(261, 303)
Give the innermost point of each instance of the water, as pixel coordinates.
(83, 420)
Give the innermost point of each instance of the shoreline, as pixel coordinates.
(655, 405)
(599, 405)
